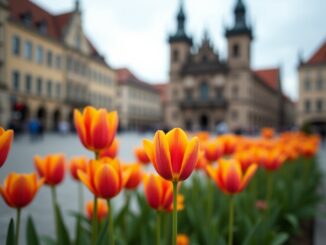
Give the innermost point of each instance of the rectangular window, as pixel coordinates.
(307, 106)
(319, 105)
(49, 88)
(16, 45)
(58, 90)
(307, 85)
(39, 54)
(58, 62)
(28, 50)
(15, 81)
(39, 86)
(28, 83)
(49, 58)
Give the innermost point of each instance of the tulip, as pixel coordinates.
(111, 151)
(272, 160)
(229, 143)
(18, 191)
(213, 150)
(6, 137)
(104, 179)
(78, 163)
(96, 128)
(230, 178)
(174, 158)
(308, 149)
(141, 155)
(182, 239)
(245, 158)
(51, 168)
(132, 176)
(267, 133)
(102, 209)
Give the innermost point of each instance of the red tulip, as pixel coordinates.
(6, 138)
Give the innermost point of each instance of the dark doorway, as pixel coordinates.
(203, 122)
(56, 119)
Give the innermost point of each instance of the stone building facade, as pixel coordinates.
(48, 66)
(312, 90)
(139, 103)
(206, 90)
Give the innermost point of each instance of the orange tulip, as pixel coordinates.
(308, 149)
(51, 167)
(102, 209)
(229, 143)
(213, 150)
(229, 176)
(78, 163)
(132, 175)
(180, 204)
(272, 160)
(96, 128)
(103, 177)
(267, 133)
(19, 189)
(158, 192)
(182, 239)
(112, 151)
(141, 155)
(173, 155)
(6, 137)
(202, 161)
(245, 158)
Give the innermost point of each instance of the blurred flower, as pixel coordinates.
(103, 177)
(111, 151)
(213, 150)
(229, 176)
(229, 143)
(308, 149)
(173, 155)
(132, 175)
(180, 204)
(19, 189)
(272, 159)
(245, 158)
(96, 128)
(202, 161)
(182, 239)
(203, 136)
(78, 163)
(267, 133)
(102, 209)
(6, 137)
(141, 155)
(158, 192)
(51, 168)
(261, 205)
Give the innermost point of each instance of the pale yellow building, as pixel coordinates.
(206, 90)
(312, 91)
(138, 102)
(48, 66)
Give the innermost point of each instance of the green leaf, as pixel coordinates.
(62, 229)
(103, 234)
(10, 233)
(48, 240)
(281, 238)
(31, 234)
(293, 221)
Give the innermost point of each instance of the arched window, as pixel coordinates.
(235, 50)
(204, 91)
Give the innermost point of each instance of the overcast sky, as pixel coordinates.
(133, 33)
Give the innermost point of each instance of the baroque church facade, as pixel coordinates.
(205, 90)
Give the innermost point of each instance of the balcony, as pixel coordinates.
(211, 103)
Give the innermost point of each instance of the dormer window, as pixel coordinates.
(42, 27)
(27, 18)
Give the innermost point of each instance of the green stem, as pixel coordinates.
(210, 198)
(306, 169)
(94, 222)
(80, 197)
(269, 187)
(231, 220)
(54, 204)
(158, 228)
(111, 227)
(17, 225)
(175, 214)
(165, 228)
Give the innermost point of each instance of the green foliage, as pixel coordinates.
(10, 233)
(31, 234)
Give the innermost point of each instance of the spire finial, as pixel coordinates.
(77, 5)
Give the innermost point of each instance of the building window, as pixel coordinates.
(49, 88)
(307, 106)
(320, 82)
(58, 62)
(235, 50)
(188, 94)
(39, 54)
(58, 90)
(204, 91)
(235, 91)
(15, 81)
(28, 48)
(16, 45)
(219, 93)
(78, 41)
(27, 19)
(39, 86)
(28, 83)
(319, 105)
(307, 85)
(49, 58)
(42, 27)
(175, 55)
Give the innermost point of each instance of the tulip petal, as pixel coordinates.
(89, 114)
(153, 191)
(106, 181)
(162, 155)
(113, 123)
(150, 151)
(85, 179)
(248, 175)
(100, 130)
(80, 127)
(5, 144)
(190, 159)
(232, 177)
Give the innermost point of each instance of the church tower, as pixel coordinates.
(239, 39)
(180, 44)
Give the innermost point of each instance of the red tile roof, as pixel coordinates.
(270, 76)
(162, 88)
(319, 56)
(125, 76)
